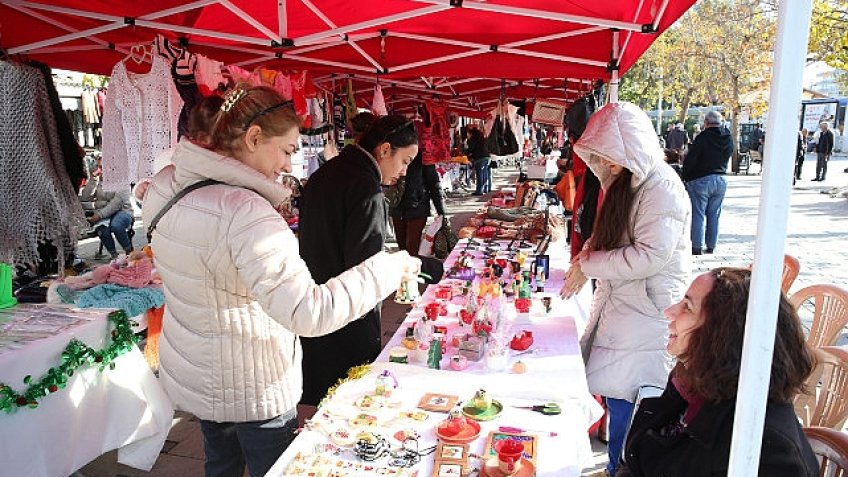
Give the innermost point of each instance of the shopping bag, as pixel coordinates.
(428, 235)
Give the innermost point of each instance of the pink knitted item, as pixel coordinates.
(134, 276)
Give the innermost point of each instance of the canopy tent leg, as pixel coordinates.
(784, 103)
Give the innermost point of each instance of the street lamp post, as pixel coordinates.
(659, 102)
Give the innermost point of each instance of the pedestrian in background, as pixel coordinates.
(421, 186)
(824, 148)
(639, 253)
(703, 172)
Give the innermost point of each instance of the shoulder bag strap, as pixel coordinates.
(180, 195)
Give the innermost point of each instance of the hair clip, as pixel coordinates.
(232, 98)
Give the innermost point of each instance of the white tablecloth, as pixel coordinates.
(124, 409)
(555, 372)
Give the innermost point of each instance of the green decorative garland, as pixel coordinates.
(75, 356)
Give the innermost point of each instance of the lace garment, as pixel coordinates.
(37, 199)
(139, 122)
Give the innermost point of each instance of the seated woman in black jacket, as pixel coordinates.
(687, 431)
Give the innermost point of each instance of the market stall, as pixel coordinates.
(73, 385)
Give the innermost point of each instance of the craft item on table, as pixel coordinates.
(367, 403)
(518, 430)
(441, 337)
(451, 460)
(342, 437)
(399, 354)
(437, 402)
(485, 232)
(529, 442)
(7, 300)
(508, 462)
(325, 464)
(444, 292)
(409, 454)
(522, 340)
(364, 420)
(454, 341)
(519, 367)
(434, 357)
(419, 416)
(409, 343)
(540, 280)
(522, 304)
(497, 357)
(134, 301)
(423, 330)
(370, 447)
(546, 302)
(422, 353)
(482, 408)
(405, 434)
(435, 309)
(385, 384)
(457, 429)
(458, 362)
(472, 347)
(407, 293)
(482, 325)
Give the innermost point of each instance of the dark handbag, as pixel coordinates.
(445, 240)
(493, 141)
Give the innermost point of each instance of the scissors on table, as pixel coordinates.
(548, 409)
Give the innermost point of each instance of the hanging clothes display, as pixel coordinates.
(435, 140)
(378, 105)
(208, 74)
(140, 121)
(90, 110)
(39, 203)
(71, 152)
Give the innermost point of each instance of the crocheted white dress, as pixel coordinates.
(139, 122)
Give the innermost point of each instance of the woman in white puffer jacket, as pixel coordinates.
(237, 293)
(640, 254)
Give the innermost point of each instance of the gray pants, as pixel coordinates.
(821, 166)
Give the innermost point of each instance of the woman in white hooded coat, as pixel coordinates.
(640, 254)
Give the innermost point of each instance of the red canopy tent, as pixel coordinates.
(450, 48)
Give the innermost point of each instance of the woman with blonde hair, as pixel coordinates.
(237, 292)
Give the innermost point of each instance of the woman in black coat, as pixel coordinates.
(687, 431)
(421, 186)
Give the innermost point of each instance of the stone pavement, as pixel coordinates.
(817, 236)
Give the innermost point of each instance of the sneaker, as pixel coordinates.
(697, 251)
(708, 250)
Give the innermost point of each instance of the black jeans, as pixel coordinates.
(258, 444)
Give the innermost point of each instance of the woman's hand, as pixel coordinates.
(574, 281)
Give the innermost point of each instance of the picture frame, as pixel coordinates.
(438, 402)
(450, 469)
(531, 444)
(451, 452)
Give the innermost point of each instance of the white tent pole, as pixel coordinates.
(337, 64)
(371, 23)
(68, 37)
(249, 19)
(793, 23)
(556, 36)
(182, 8)
(630, 33)
(545, 15)
(658, 18)
(202, 32)
(432, 61)
(317, 11)
(282, 21)
(71, 11)
(613, 92)
(61, 25)
(548, 56)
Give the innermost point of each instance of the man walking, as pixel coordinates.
(703, 173)
(823, 149)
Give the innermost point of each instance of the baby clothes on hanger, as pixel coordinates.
(207, 73)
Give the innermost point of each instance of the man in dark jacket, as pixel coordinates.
(421, 186)
(824, 149)
(703, 173)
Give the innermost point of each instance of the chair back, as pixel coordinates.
(830, 312)
(791, 267)
(831, 448)
(825, 402)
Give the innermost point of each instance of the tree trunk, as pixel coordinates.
(736, 108)
(684, 106)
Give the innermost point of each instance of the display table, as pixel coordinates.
(554, 373)
(124, 408)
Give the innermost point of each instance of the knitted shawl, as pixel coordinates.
(37, 200)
